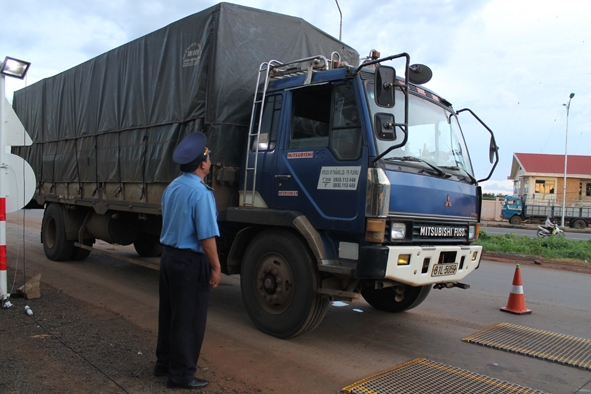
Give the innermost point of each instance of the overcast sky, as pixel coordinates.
(513, 62)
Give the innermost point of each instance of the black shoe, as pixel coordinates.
(195, 384)
(160, 372)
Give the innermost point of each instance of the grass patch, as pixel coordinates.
(553, 248)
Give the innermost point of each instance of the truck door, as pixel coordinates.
(322, 158)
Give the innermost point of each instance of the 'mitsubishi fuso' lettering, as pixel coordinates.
(428, 231)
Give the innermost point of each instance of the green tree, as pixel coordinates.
(492, 196)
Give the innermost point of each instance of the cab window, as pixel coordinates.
(327, 117)
(345, 135)
(311, 117)
(269, 124)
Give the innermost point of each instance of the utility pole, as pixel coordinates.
(565, 158)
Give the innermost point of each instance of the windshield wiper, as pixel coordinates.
(467, 174)
(438, 170)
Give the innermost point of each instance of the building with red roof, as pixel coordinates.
(541, 177)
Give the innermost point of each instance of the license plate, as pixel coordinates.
(444, 269)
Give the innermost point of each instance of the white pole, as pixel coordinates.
(565, 160)
(3, 166)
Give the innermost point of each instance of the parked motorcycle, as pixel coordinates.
(546, 232)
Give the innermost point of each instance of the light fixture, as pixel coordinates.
(14, 68)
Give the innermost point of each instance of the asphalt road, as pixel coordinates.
(354, 341)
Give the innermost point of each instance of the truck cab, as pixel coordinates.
(376, 182)
(512, 210)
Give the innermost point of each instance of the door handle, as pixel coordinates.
(283, 176)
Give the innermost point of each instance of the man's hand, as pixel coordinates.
(210, 248)
(216, 278)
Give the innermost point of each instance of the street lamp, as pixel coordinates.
(565, 158)
(16, 69)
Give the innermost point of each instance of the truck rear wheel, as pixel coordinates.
(397, 298)
(55, 244)
(279, 282)
(79, 254)
(579, 224)
(515, 220)
(148, 246)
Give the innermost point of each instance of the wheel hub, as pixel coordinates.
(270, 284)
(274, 284)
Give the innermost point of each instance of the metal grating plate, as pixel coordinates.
(425, 376)
(562, 349)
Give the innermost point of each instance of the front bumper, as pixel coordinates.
(381, 262)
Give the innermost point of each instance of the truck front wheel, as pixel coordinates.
(53, 234)
(515, 220)
(279, 282)
(397, 298)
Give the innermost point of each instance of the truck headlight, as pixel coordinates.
(398, 230)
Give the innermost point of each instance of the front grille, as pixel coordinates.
(431, 232)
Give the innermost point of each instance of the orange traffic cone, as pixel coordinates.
(516, 303)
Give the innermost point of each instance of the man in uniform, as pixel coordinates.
(189, 265)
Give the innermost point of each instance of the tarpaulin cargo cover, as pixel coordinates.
(119, 116)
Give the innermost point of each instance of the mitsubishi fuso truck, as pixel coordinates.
(335, 176)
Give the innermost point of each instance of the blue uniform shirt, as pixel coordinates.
(188, 213)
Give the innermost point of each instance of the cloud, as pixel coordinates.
(498, 187)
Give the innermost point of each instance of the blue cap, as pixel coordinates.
(191, 148)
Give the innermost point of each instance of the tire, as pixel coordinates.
(53, 234)
(148, 246)
(279, 282)
(396, 299)
(79, 254)
(579, 224)
(541, 233)
(515, 220)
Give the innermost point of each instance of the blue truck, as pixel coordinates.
(334, 176)
(520, 209)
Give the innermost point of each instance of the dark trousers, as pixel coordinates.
(184, 297)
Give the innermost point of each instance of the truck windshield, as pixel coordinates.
(434, 134)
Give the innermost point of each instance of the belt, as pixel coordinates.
(172, 248)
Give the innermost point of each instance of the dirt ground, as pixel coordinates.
(70, 346)
(572, 266)
(95, 333)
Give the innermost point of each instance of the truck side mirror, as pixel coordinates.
(384, 124)
(384, 84)
(492, 150)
